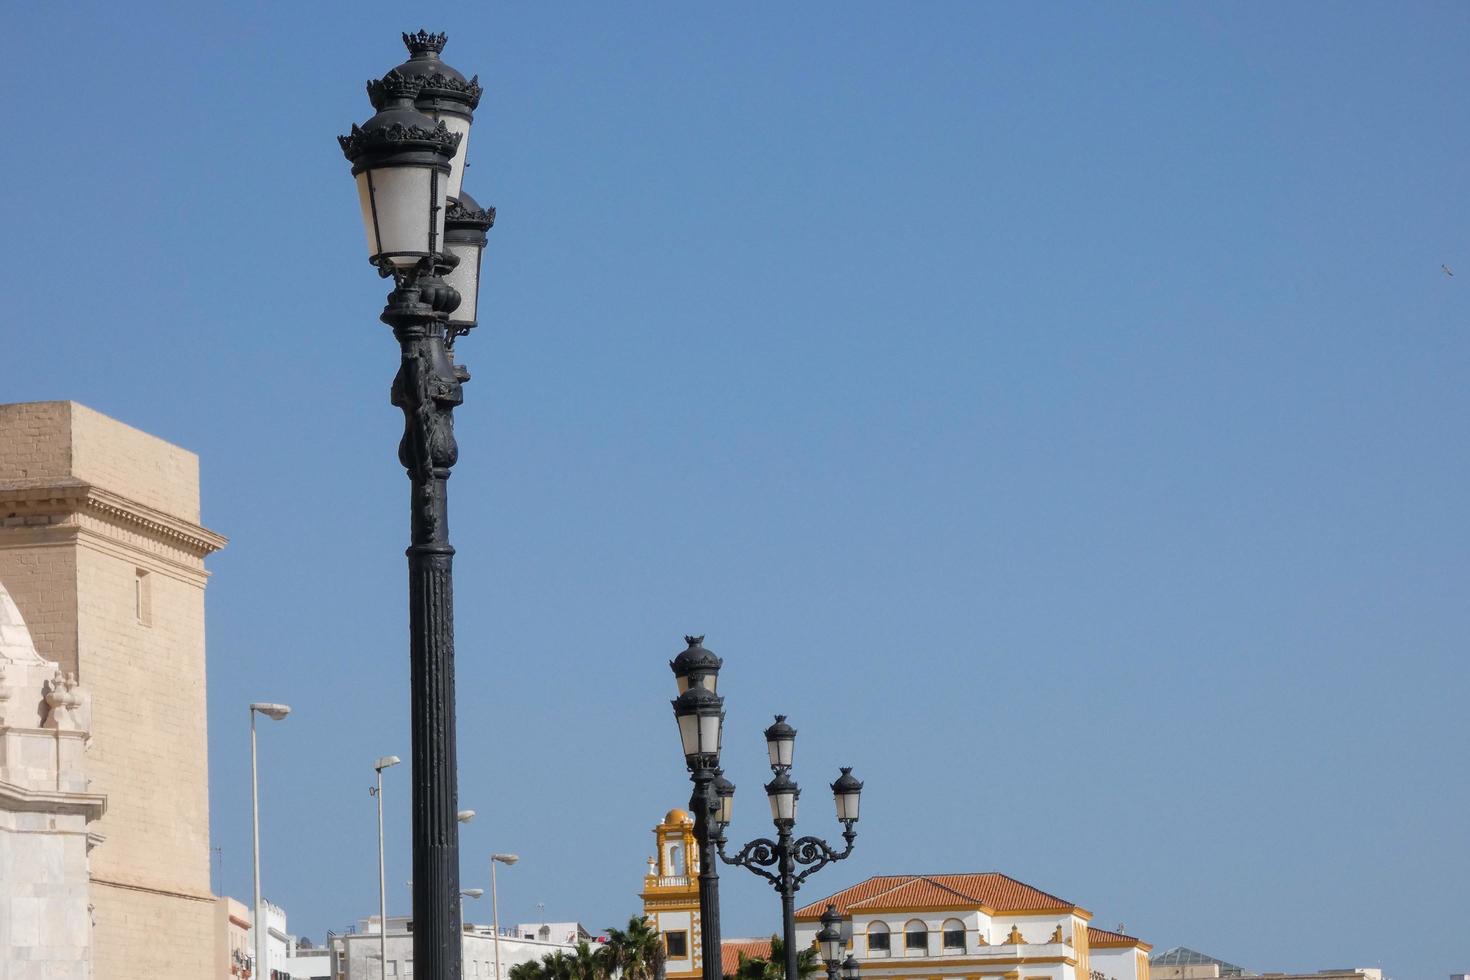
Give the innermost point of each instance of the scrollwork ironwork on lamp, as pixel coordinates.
(426, 234)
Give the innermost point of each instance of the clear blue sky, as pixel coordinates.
(1059, 411)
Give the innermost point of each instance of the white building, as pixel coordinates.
(357, 956)
(964, 925)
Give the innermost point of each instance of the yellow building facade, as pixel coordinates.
(671, 894)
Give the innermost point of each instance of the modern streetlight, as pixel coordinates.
(785, 854)
(386, 762)
(275, 712)
(829, 940)
(700, 713)
(507, 860)
(408, 161)
(473, 893)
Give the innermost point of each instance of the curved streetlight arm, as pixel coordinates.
(755, 857)
(818, 853)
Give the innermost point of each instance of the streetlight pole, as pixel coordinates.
(385, 762)
(784, 854)
(507, 860)
(426, 234)
(700, 713)
(275, 712)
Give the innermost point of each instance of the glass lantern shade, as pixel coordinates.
(464, 238)
(781, 743)
(455, 123)
(782, 793)
(696, 666)
(847, 792)
(725, 797)
(829, 938)
(700, 715)
(850, 968)
(402, 212)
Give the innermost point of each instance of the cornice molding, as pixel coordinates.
(76, 496)
(18, 799)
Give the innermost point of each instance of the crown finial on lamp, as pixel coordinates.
(425, 43)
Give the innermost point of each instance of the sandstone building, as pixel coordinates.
(102, 551)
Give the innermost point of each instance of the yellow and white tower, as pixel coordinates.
(671, 894)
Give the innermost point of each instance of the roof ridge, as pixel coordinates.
(952, 891)
(1055, 898)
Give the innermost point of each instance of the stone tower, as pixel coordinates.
(671, 894)
(102, 551)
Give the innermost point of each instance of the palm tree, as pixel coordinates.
(634, 953)
(773, 967)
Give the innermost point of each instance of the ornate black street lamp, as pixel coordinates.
(784, 854)
(700, 713)
(408, 161)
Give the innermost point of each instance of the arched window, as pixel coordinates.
(954, 936)
(915, 938)
(878, 939)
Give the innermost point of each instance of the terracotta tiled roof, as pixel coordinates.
(731, 949)
(995, 891)
(858, 892)
(917, 893)
(1102, 937)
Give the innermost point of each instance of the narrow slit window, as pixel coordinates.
(143, 597)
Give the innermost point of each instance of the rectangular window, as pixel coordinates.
(954, 939)
(916, 939)
(878, 940)
(677, 945)
(392, 968)
(143, 597)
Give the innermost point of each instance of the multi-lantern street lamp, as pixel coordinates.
(427, 234)
(700, 712)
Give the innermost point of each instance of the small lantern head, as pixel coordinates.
(444, 95)
(465, 225)
(725, 798)
(829, 938)
(400, 158)
(696, 666)
(781, 743)
(700, 714)
(782, 793)
(850, 968)
(847, 792)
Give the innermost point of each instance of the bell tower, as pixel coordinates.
(671, 894)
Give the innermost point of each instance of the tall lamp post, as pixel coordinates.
(427, 235)
(275, 712)
(385, 762)
(784, 854)
(700, 713)
(507, 860)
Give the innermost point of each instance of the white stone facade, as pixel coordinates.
(46, 809)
